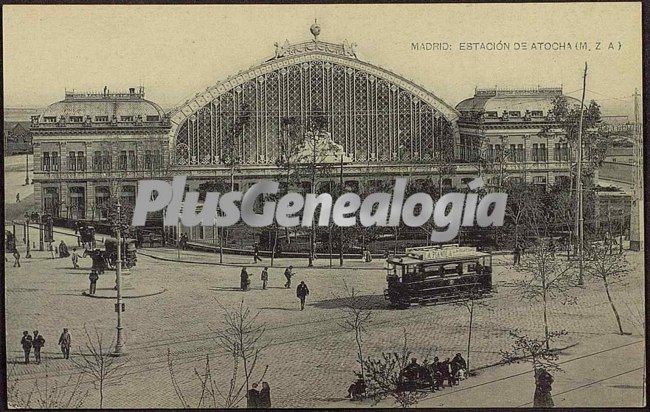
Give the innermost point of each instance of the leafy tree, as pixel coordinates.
(383, 377)
(533, 350)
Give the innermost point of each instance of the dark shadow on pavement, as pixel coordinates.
(366, 301)
(220, 288)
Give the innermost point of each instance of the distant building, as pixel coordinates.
(513, 134)
(17, 138)
(90, 147)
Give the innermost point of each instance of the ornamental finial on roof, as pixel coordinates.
(315, 30)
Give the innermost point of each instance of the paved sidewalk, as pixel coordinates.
(603, 371)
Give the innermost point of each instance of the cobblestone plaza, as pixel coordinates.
(310, 357)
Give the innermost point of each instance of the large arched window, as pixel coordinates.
(258, 121)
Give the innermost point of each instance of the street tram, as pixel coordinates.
(433, 274)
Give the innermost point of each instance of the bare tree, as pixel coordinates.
(99, 363)
(242, 339)
(548, 277)
(357, 315)
(608, 268)
(471, 302)
(48, 393)
(210, 396)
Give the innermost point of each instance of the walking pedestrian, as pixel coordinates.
(38, 343)
(16, 257)
(52, 249)
(244, 280)
(26, 343)
(75, 258)
(265, 395)
(516, 255)
(265, 276)
(256, 253)
(65, 340)
(302, 291)
(17, 197)
(93, 281)
(543, 382)
(288, 273)
(253, 397)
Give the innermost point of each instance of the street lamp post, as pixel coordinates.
(119, 344)
(27, 254)
(26, 169)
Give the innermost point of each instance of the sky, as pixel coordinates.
(178, 51)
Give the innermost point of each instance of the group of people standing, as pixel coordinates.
(259, 398)
(36, 342)
(302, 291)
(434, 374)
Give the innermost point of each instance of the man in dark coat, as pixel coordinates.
(65, 341)
(265, 395)
(434, 367)
(264, 277)
(288, 273)
(302, 291)
(38, 343)
(26, 343)
(93, 281)
(516, 255)
(445, 371)
(256, 253)
(253, 397)
(410, 375)
(543, 382)
(16, 257)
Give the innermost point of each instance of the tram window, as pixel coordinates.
(431, 269)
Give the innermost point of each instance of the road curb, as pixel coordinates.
(84, 293)
(255, 265)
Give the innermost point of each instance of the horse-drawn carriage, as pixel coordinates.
(107, 259)
(86, 235)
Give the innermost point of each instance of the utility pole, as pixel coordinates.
(340, 227)
(580, 215)
(119, 344)
(636, 225)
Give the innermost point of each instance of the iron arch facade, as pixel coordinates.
(258, 117)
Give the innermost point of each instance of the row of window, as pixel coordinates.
(515, 113)
(99, 119)
(76, 203)
(516, 153)
(101, 161)
(539, 152)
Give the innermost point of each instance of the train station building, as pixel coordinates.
(372, 125)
